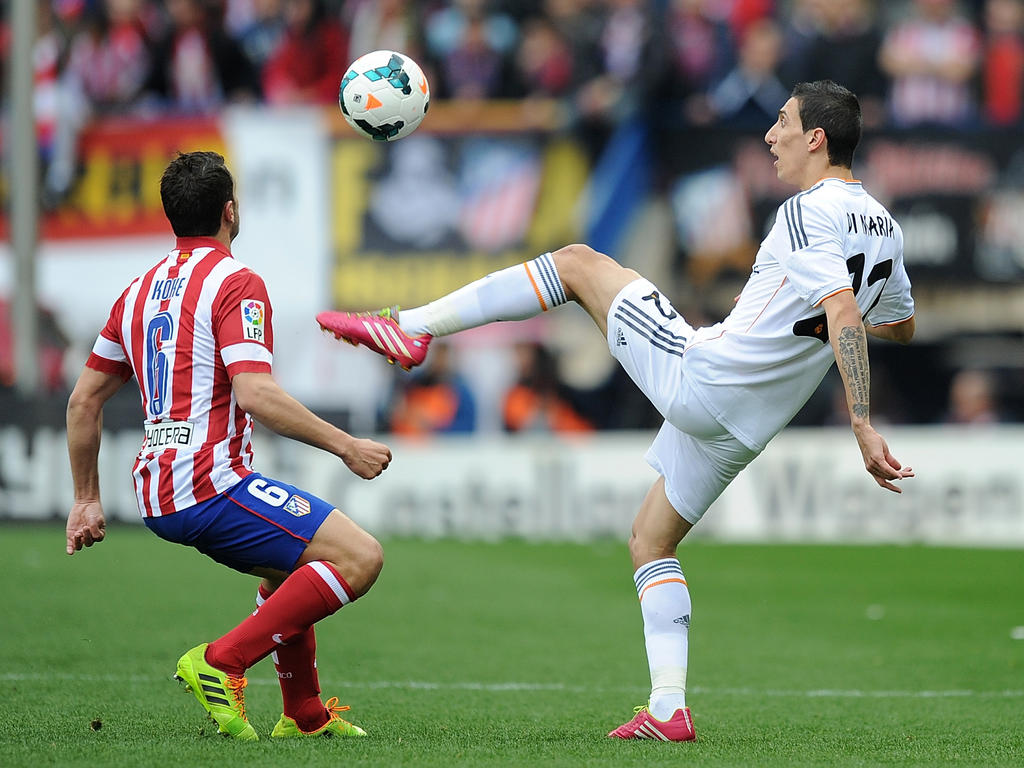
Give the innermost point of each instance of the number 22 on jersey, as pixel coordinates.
(817, 327)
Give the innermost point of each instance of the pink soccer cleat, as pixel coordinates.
(380, 332)
(679, 727)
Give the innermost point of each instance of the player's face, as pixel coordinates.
(786, 143)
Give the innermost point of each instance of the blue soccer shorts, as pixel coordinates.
(259, 522)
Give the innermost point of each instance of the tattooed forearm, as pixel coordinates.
(852, 357)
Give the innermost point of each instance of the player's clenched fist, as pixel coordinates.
(366, 458)
(86, 525)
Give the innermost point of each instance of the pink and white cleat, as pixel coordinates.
(679, 727)
(380, 332)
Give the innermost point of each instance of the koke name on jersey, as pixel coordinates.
(164, 290)
(880, 226)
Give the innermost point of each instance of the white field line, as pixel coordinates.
(424, 685)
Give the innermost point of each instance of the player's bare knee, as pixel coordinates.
(577, 255)
(582, 270)
(375, 560)
(645, 548)
(632, 544)
(640, 548)
(365, 565)
(574, 263)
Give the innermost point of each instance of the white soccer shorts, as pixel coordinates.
(696, 455)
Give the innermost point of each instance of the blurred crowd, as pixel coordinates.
(732, 62)
(439, 399)
(915, 64)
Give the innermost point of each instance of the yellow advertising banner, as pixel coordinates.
(417, 218)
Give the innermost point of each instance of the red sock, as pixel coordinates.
(312, 592)
(300, 686)
(296, 672)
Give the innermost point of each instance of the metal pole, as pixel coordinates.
(23, 183)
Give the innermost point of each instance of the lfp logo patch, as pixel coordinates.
(252, 320)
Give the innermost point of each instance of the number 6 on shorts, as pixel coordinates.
(268, 494)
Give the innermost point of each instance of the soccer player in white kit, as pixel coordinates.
(829, 272)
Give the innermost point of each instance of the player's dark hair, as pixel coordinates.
(194, 188)
(836, 110)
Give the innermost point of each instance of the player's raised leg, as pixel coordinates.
(665, 607)
(573, 273)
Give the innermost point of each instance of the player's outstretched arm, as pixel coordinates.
(850, 344)
(264, 399)
(86, 524)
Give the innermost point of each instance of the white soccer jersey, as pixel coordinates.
(757, 368)
(183, 330)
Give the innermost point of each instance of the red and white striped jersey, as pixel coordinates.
(184, 329)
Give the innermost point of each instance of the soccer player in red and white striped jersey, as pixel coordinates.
(196, 333)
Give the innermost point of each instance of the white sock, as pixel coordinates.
(514, 293)
(665, 606)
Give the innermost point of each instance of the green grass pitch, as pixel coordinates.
(527, 654)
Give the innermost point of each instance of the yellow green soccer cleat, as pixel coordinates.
(286, 728)
(222, 695)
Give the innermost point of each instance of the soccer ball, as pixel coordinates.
(384, 95)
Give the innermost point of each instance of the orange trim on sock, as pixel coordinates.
(663, 581)
(543, 306)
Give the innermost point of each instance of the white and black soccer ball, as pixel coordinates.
(384, 95)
